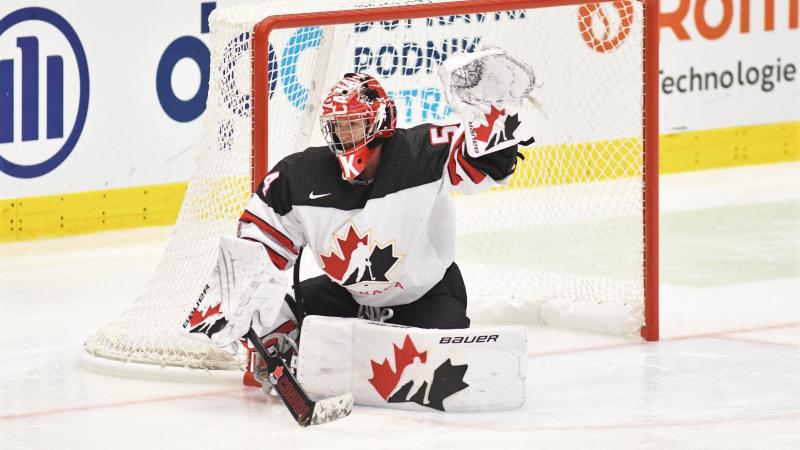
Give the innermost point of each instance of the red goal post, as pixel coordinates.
(649, 95)
(572, 241)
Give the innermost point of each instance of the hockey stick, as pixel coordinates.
(369, 266)
(304, 410)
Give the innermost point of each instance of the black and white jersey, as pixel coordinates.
(387, 242)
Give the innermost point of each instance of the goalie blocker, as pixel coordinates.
(392, 366)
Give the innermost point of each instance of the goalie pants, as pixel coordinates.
(443, 306)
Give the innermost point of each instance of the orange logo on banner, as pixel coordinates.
(612, 36)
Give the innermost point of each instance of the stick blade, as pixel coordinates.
(330, 409)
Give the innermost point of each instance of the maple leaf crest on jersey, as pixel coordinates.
(360, 265)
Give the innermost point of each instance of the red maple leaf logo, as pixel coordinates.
(335, 263)
(484, 132)
(384, 379)
(199, 317)
(278, 373)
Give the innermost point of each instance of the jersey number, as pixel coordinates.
(443, 135)
(267, 181)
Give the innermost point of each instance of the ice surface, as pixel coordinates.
(726, 373)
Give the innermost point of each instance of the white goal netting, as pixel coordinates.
(563, 244)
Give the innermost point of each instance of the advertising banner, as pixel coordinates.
(110, 97)
(727, 63)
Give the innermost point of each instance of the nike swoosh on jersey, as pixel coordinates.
(314, 196)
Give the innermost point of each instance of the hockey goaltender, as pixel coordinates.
(387, 322)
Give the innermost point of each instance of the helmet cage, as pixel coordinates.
(355, 113)
(347, 133)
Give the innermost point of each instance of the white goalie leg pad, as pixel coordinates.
(462, 370)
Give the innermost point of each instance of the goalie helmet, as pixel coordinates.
(356, 116)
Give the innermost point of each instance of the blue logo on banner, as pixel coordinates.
(192, 48)
(30, 92)
(301, 39)
(195, 50)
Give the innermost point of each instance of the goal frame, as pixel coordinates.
(650, 59)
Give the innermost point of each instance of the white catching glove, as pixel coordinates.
(488, 90)
(244, 287)
(473, 82)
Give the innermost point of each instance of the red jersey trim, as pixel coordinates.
(269, 230)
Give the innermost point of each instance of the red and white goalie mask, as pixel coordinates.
(356, 115)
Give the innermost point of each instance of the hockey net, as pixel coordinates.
(563, 244)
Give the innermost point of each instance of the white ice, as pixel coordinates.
(726, 373)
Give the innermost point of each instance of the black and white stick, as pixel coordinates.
(305, 411)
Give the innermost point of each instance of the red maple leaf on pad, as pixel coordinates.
(384, 379)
